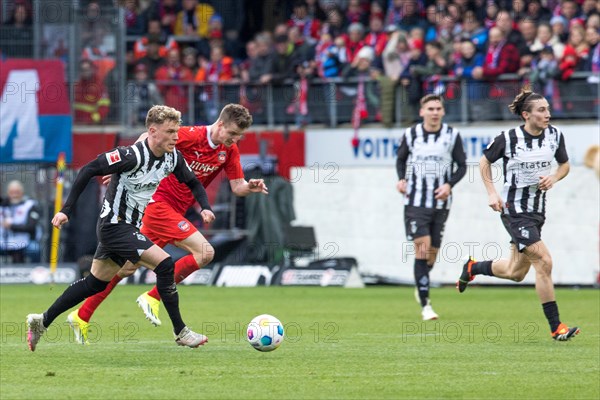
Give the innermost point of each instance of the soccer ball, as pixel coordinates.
(265, 333)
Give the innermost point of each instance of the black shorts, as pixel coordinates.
(421, 221)
(120, 243)
(524, 229)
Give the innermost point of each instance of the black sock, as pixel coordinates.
(482, 268)
(551, 313)
(430, 266)
(165, 283)
(422, 280)
(73, 295)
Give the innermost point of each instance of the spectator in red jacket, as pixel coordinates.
(376, 38)
(354, 40)
(501, 57)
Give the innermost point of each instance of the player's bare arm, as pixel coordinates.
(241, 187)
(494, 199)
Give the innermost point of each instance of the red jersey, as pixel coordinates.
(205, 160)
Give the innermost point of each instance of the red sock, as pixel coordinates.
(91, 303)
(183, 268)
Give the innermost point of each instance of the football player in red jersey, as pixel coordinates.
(207, 150)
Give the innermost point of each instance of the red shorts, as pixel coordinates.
(163, 225)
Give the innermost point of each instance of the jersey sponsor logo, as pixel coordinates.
(198, 154)
(113, 157)
(535, 164)
(145, 186)
(184, 226)
(428, 158)
(201, 168)
(222, 156)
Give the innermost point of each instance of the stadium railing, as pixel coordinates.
(331, 102)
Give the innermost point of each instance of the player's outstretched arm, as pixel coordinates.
(241, 187)
(91, 169)
(114, 161)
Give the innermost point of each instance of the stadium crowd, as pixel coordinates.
(400, 43)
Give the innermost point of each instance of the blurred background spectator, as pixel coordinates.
(193, 19)
(395, 59)
(172, 82)
(18, 31)
(144, 95)
(91, 101)
(20, 232)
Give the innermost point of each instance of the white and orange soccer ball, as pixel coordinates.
(265, 333)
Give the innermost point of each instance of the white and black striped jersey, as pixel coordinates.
(525, 158)
(136, 173)
(434, 158)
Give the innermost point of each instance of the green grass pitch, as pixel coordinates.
(340, 343)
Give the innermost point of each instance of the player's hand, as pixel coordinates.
(258, 186)
(59, 220)
(106, 179)
(207, 216)
(401, 186)
(442, 192)
(495, 202)
(547, 182)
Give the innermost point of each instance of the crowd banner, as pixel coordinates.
(35, 114)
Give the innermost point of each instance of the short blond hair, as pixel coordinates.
(160, 114)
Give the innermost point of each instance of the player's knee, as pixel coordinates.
(126, 271)
(205, 256)
(517, 276)
(544, 266)
(517, 272)
(165, 268)
(546, 263)
(423, 251)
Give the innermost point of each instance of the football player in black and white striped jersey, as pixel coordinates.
(435, 153)
(136, 172)
(527, 153)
